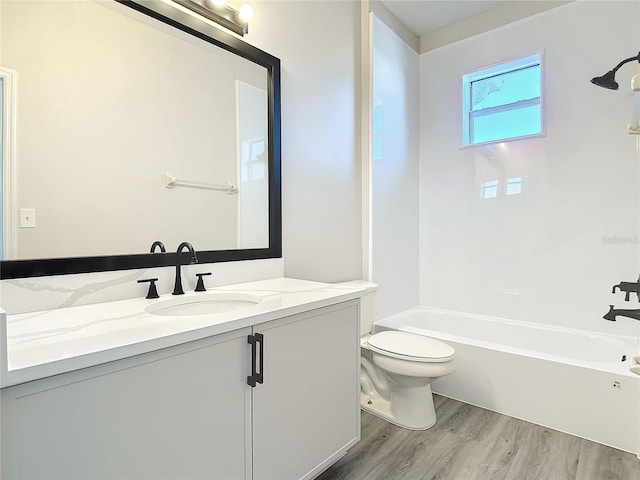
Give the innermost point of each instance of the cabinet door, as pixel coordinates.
(177, 413)
(306, 414)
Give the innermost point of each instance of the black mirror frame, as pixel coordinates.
(10, 269)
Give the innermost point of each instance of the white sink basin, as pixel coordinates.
(203, 304)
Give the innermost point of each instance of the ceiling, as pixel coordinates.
(425, 16)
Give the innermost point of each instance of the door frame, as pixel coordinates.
(8, 164)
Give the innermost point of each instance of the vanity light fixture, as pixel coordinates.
(216, 10)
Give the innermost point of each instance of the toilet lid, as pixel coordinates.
(410, 346)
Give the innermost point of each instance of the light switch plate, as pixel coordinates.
(27, 218)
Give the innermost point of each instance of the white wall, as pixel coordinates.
(394, 24)
(395, 171)
(552, 253)
(317, 42)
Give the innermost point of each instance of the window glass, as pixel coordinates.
(510, 87)
(507, 124)
(503, 102)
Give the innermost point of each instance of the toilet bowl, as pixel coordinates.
(397, 369)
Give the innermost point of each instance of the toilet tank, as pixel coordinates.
(367, 304)
(367, 308)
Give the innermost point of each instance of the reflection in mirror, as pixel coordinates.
(109, 102)
(253, 211)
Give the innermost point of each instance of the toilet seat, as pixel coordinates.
(410, 346)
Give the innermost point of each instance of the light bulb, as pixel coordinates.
(245, 14)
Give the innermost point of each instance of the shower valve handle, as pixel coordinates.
(628, 288)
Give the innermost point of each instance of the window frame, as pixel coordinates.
(493, 71)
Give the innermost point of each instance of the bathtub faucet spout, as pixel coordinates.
(613, 313)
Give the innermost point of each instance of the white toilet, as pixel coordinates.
(397, 369)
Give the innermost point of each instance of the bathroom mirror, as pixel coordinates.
(134, 122)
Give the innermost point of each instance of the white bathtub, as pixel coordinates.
(564, 379)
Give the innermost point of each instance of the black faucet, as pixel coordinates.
(627, 288)
(613, 313)
(177, 289)
(159, 245)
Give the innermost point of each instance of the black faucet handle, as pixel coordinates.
(153, 291)
(200, 285)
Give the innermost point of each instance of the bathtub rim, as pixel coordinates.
(620, 368)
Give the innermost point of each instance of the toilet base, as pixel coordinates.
(410, 408)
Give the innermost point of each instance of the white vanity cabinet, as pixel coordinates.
(306, 414)
(177, 413)
(187, 412)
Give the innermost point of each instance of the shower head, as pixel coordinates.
(608, 80)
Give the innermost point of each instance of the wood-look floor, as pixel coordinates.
(471, 443)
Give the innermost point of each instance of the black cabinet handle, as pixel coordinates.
(256, 376)
(259, 375)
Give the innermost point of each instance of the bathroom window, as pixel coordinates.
(503, 102)
(253, 165)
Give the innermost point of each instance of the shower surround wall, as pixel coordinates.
(396, 70)
(550, 253)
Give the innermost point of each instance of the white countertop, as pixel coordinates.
(50, 342)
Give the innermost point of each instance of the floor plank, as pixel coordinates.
(471, 443)
(604, 463)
